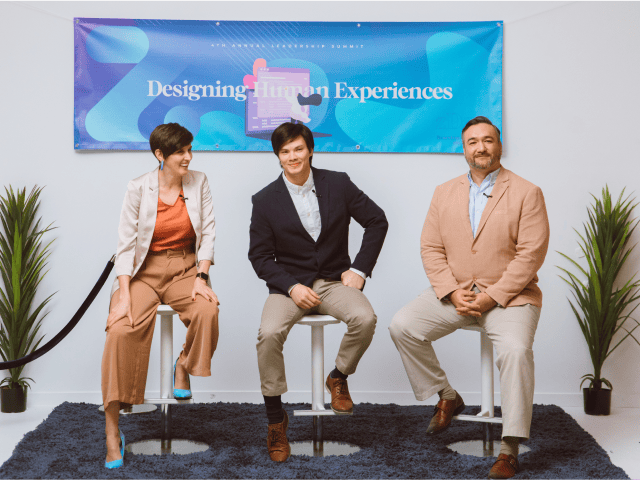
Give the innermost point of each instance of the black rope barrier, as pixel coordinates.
(70, 326)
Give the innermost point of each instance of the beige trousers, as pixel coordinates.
(280, 314)
(511, 330)
(166, 277)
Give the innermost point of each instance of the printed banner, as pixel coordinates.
(367, 87)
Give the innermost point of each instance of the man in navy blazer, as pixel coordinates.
(299, 245)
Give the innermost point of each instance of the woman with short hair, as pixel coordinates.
(165, 248)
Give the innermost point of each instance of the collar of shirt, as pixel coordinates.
(300, 190)
(489, 181)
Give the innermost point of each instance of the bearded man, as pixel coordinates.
(484, 239)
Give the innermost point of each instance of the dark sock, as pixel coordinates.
(335, 373)
(275, 414)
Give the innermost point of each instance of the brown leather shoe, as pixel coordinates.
(277, 443)
(505, 467)
(445, 409)
(341, 402)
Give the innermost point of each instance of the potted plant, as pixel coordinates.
(600, 305)
(22, 263)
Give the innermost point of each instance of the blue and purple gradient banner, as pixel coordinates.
(372, 87)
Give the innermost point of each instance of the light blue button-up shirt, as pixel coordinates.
(478, 198)
(306, 203)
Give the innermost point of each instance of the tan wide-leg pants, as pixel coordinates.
(511, 330)
(280, 314)
(167, 278)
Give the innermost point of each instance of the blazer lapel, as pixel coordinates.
(190, 200)
(322, 191)
(284, 198)
(151, 213)
(501, 185)
(463, 206)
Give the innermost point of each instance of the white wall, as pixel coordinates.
(571, 98)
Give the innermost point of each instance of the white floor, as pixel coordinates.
(618, 434)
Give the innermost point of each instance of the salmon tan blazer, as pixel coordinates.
(138, 220)
(508, 250)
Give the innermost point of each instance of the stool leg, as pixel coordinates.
(166, 374)
(318, 445)
(486, 367)
(317, 368)
(317, 384)
(487, 440)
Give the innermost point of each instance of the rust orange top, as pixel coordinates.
(173, 229)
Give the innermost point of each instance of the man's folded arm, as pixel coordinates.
(262, 252)
(432, 251)
(531, 249)
(372, 218)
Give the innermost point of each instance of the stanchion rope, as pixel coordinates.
(70, 326)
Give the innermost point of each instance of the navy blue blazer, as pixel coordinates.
(283, 253)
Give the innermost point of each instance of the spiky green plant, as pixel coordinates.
(600, 306)
(22, 263)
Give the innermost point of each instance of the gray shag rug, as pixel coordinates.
(70, 443)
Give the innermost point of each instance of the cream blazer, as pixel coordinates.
(138, 220)
(509, 247)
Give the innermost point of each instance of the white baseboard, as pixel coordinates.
(398, 397)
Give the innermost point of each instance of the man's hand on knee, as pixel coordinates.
(304, 297)
(352, 279)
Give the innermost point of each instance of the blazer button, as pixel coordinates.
(315, 248)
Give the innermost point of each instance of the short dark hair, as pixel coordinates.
(169, 138)
(476, 121)
(290, 131)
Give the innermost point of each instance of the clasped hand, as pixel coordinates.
(467, 302)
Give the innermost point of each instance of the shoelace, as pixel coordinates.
(277, 436)
(341, 387)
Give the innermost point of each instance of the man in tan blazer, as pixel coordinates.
(485, 236)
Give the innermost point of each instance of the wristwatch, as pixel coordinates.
(203, 276)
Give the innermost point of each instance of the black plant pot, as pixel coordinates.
(597, 401)
(13, 400)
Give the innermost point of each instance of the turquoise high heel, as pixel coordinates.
(119, 462)
(180, 393)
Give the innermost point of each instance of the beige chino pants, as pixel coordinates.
(511, 330)
(280, 314)
(166, 277)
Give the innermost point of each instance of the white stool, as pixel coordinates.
(317, 446)
(486, 447)
(486, 374)
(166, 444)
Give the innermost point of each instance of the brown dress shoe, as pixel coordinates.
(277, 443)
(505, 467)
(341, 402)
(445, 409)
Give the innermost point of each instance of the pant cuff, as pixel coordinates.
(426, 394)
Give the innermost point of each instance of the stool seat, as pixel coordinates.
(166, 310)
(474, 328)
(317, 320)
